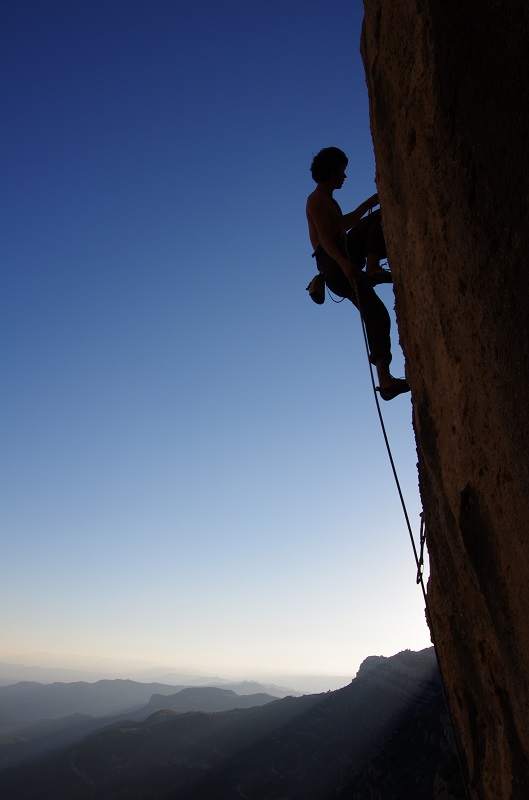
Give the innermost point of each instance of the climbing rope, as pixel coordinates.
(419, 558)
(422, 542)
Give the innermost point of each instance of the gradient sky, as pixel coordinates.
(192, 466)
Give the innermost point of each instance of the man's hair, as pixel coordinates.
(326, 162)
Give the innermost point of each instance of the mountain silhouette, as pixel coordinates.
(305, 748)
(46, 736)
(29, 702)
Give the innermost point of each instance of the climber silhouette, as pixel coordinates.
(343, 245)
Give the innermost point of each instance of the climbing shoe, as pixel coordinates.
(379, 276)
(399, 386)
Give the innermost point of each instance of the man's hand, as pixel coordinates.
(351, 219)
(353, 273)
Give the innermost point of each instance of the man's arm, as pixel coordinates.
(355, 216)
(321, 221)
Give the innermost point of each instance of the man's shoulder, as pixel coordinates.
(316, 200)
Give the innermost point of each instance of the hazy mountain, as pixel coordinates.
(29, 702)
(383, 730)
(31, 742)
(17, 673)
(204, 698)
(42, 667)
(247, 687)
(252, 687)
(23, 703)
(279, 685)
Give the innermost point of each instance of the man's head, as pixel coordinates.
(327, 163)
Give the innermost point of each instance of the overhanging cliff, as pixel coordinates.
(448, 85)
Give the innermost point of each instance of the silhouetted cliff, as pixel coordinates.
(448, 85)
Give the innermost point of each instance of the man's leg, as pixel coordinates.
(378, 325)
(375, 316)
(366, 243)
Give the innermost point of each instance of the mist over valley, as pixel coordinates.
(127, 739)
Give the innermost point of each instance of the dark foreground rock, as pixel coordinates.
(449, 115)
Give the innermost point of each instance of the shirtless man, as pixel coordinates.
(341, 264)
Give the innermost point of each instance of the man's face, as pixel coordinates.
(339, 176)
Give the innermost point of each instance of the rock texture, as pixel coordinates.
(448, 85)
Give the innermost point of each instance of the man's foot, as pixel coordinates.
(379, 275)
(398, 386)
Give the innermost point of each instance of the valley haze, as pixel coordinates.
(383, 735)
(47, 668)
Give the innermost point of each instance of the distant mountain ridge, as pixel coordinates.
(386, 725)
(27, 703)
(46, 736)
(11, 672)
(205, 698)
(280, 685)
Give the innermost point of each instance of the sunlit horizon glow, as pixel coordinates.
(193, 469)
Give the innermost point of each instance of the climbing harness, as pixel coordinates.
(419, 558)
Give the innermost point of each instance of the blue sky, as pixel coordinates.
(193, 469)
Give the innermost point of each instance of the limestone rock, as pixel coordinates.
(448, 85)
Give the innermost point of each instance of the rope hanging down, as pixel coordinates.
(422, 542)
(419, 559)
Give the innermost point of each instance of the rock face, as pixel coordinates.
(448, 86)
